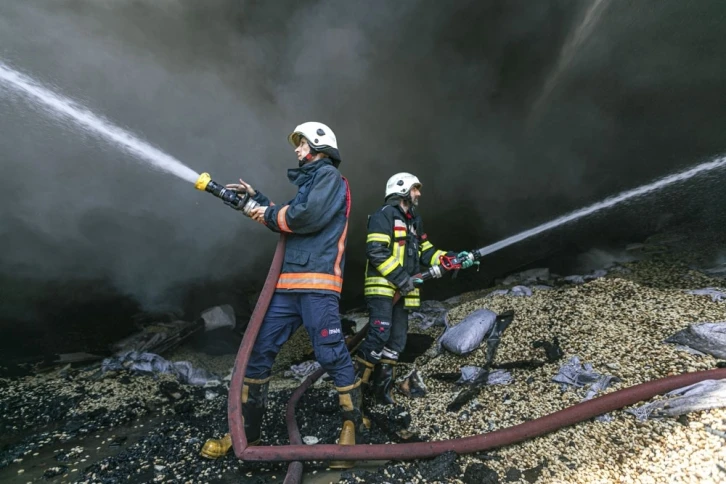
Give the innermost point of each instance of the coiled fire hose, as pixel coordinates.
(298, 452)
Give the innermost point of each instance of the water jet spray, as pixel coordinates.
(64, 108)
(718, 163)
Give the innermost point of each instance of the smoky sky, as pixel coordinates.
(510, 112)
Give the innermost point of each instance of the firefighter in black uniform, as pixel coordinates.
(396, 248)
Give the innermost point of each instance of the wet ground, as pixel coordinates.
(81, 426)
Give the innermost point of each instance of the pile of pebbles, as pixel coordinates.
(618, 326)
(123, 427)
(617, 323)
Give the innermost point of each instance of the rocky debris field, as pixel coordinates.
(81, 425)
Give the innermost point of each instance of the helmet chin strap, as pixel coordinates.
(409, 202)
(308, 157)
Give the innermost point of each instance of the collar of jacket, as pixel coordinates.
(299, 176)
(396, 202)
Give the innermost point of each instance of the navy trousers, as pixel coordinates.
(388, 329)
(320, 315)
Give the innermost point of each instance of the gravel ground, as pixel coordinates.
(79, 426)
(618, 326)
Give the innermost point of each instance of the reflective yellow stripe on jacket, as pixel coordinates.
(377, 284)
(384, 238)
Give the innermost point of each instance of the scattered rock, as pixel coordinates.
(440, 468)
(513, 474)
(480, 474)
(55, 471)
(531, 475)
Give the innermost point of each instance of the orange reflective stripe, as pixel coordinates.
(348, 199)
(344, 235)
(310, 280)
(281, 221)
(341, 250)
(326, 287)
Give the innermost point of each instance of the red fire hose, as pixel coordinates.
(510, 435)
(419, 450)
(234, 411)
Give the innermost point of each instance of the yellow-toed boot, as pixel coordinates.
(216, 448)
(350, 398)
(254, 403)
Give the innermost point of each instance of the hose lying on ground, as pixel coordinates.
(298, 452)
(517, 433)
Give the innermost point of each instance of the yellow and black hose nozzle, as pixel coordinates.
(236, 200)
(203, 181)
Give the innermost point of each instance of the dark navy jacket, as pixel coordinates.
(316, 224)
(396, 247)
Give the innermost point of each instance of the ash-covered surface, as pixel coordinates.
(79, 426)
(153, 427)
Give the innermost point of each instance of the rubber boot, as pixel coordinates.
(254, 403)
(350, 399)
(363, 371)
(383, 379)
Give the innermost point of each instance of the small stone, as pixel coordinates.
(480, 474)
(513, 474)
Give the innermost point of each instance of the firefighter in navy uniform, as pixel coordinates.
(396, 247)
(308, 291)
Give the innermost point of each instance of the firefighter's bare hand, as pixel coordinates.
(258, 214)
(242, 187)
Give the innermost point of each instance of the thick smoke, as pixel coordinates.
(511, 113)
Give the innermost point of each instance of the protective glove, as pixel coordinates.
(467, 261)
(409, 285)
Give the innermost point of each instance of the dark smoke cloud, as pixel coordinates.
(450, 91)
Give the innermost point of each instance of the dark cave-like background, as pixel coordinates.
(511, 112)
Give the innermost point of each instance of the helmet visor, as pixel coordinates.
(295, 138)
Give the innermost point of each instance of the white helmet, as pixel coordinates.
(320, 138)
(400, 184)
